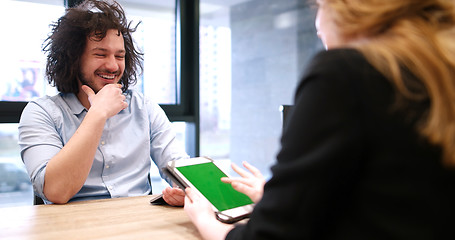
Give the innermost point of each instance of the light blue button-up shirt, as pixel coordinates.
(130, 141)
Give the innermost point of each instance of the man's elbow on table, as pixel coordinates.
(56, 196)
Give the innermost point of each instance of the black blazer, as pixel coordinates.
(352, 165)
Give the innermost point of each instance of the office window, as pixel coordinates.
(15, 186)
(155, 37)
(25, 27)
(23, 62)
(252, 53)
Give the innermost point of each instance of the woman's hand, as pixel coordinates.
(201, 213)
(250, 183)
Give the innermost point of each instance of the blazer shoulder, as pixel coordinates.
(339, 66)
(342, 59)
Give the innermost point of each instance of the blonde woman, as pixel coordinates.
(369, 151)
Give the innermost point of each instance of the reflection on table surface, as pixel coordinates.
(121, 218)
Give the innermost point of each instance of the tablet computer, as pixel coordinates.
(204, 176)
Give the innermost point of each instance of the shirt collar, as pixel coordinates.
(73, 103)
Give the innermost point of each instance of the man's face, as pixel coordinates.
(103, 62)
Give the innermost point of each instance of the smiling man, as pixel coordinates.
(96, 138)
(103, 58)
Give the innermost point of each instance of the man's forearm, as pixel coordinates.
(67, 171)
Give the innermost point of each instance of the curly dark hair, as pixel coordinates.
(67, 41)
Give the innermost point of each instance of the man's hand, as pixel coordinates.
(174, 196)
(108, 101)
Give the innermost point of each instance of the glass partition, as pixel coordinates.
(15, 186)
(252, 53)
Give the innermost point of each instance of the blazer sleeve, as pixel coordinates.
(320, 155)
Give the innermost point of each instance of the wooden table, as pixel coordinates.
(121, 218)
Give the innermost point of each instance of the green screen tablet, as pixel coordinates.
(205, 176)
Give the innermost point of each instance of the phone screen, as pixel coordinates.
(206, 177)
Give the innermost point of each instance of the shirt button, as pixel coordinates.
(102, 142)
(110, 188)
(107, 166)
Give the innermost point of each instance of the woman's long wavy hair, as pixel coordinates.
(416, 35)
(68, 39)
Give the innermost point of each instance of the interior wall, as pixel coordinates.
(272, 42)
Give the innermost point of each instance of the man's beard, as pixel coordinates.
(84, 81)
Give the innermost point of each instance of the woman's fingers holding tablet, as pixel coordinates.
(196, 206)
(188, 196)
(201, 214)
